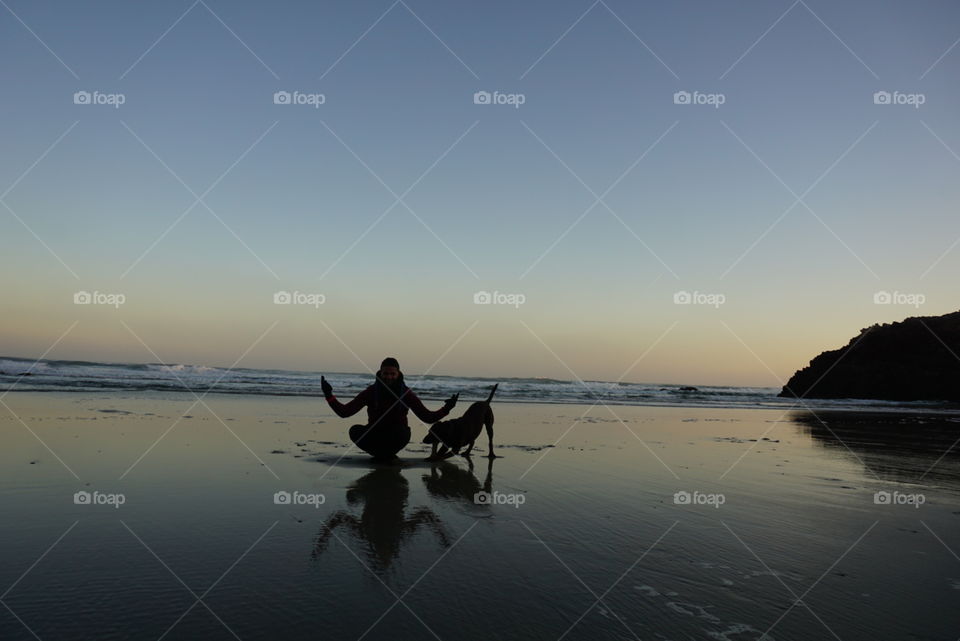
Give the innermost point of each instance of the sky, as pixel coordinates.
(698, 192)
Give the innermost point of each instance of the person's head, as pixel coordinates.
(390, 371)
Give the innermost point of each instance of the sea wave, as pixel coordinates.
(25, 375)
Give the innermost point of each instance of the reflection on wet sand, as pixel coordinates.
(383, 523)
(451, 482)
(894, 446)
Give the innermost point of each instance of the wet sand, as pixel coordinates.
(596, 523)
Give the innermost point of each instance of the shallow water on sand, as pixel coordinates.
(646, 523)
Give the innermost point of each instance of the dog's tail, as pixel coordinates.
(492, 392)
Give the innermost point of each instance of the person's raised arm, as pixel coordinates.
(343, 410)
(425, 415)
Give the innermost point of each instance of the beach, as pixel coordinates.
(253, 517)
(695, 263)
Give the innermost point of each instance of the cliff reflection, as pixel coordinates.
(897, 447)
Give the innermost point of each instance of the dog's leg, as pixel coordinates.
(433, 453)
(469, 449)
(488, 423)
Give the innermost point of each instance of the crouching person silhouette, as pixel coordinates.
(387, 402)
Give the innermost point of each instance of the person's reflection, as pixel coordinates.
(453, 483)
(383, 523)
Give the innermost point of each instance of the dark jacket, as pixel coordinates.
(394, 412)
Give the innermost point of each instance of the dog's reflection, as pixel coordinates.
(451, 482)
(383, 523)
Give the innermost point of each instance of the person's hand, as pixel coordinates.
(326, 388)
(450, 402)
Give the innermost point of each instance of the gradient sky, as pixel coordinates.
(302, 191)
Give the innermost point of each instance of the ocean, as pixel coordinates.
(26, 375)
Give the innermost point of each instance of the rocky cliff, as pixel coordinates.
(915, 359)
